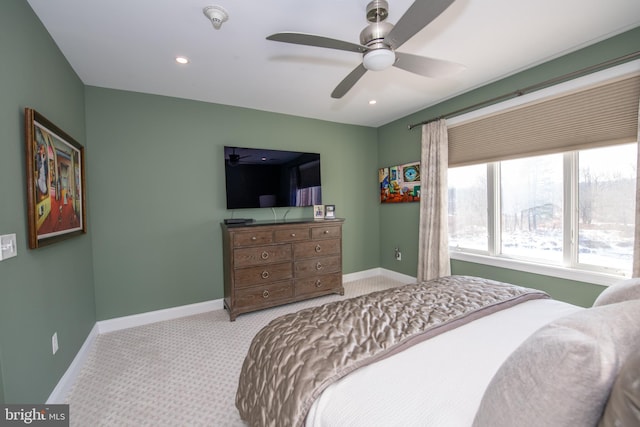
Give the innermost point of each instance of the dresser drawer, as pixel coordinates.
(291, 234)
(318, 284)
(249, 276)
(261, 255)
(317, 248)
(328, 232)
(252, 238)
(316, 266)
(264, 295)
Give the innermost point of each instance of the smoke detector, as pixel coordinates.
(216, 14)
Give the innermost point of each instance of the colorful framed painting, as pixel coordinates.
(400, 184)
(56, 201)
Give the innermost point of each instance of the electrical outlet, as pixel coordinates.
(54, 343)
(398, 255)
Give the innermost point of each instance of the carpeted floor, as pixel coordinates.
(180, 372)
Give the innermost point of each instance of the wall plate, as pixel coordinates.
(8, 246)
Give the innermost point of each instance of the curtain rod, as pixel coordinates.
(531, 88)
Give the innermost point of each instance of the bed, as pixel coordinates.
(457, 351)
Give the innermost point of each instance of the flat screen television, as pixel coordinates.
(260, 178)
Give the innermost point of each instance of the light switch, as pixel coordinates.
(8, 247)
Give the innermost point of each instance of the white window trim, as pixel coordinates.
(535, 268)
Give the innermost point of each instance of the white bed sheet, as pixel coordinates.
(438, 382)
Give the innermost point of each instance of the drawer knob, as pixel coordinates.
(318, 248)
(254, 238)
(265, 294)
(264, 255)
(319, 266)
(293, 234)
(318, 283)
(326, 231)
(265, 274)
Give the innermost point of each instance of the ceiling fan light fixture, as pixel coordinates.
(378, 59)
(216, 14)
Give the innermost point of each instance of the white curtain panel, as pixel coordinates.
(636, 245)
(433, 244)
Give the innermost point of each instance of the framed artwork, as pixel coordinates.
(56, 202)
(318, 211)
(399, 184)
(330, 212)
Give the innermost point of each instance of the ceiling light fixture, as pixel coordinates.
(216, 14)
(378, 59)
(182, 60)
(373, 102)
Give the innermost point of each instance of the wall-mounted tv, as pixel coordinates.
(260, 178)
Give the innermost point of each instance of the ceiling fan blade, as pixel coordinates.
(428, 67)
(418, 16)
(319, 41)
(348, 82)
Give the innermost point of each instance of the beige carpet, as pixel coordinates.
(179, 372)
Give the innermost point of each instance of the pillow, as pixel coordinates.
(623, 290)
(623, 407)
(562, 374)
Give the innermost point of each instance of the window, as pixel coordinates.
(606, 206)
(531, 207)
(574, 210)
(468, 207)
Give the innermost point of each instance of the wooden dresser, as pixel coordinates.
(268, 263)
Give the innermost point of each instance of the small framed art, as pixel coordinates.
(318, 211)
(330, 212)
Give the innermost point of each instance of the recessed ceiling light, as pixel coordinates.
(182, 60)
(372, 102)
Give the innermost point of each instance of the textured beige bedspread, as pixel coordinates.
(295, 357)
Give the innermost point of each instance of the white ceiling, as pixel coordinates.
(131, 45)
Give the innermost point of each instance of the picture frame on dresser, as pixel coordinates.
(56, 198)
(318, 211)
(330, 212)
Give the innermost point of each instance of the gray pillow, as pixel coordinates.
(623, 290)
(562, 374)
(623, 406)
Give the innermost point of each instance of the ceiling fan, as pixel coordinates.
(234, 159)
(379, 41)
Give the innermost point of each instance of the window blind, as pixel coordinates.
(600, 115)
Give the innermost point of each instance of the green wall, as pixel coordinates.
(156, 179)
(397, 145)
(49, 289)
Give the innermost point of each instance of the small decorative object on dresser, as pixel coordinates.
(268, 264)
(330, 212)
(318, 211)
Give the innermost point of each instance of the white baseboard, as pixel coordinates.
(397, 276)
(141, 319)
(365, 274)
(359, 275)
(59, 393)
